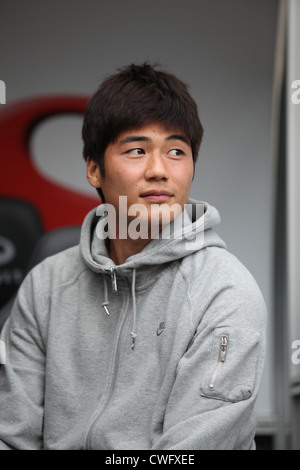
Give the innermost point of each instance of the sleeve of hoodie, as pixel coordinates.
(22, 372)
(212, 402)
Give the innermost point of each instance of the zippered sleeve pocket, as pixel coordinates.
(232, 366)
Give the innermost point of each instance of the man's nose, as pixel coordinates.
(156, 167)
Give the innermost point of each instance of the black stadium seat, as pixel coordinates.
(20, 230)
(48, 244)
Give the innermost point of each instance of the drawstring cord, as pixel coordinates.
(106, 303)
(133, 333)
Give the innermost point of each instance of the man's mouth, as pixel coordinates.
(156, 195)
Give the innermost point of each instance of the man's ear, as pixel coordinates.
(93, 173)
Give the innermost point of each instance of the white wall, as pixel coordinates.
(222, 49)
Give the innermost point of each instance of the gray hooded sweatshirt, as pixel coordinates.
(165, 351)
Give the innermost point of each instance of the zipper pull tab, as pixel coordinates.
(113, 278)
(223, 348)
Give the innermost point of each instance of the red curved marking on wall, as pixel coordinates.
(57, 205)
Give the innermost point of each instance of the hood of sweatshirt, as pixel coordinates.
(191, 231)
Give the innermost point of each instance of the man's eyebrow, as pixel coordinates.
(178, 137)
(134, 138)
(141, 138)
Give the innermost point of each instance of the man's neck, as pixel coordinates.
(119, 250)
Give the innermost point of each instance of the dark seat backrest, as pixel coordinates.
(20, 230)
(48, 244)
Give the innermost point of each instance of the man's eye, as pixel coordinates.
(137, 151)
(176, 152)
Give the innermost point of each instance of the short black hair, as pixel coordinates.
(134, 96)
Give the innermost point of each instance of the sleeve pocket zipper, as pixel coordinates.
(221, 359)
(230, 372)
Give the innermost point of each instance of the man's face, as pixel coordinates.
(149, 165)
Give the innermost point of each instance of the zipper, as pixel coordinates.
(113, 279)
(114, 377)
(221, 359)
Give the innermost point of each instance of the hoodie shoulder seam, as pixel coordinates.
(70, 282)
(188, 297)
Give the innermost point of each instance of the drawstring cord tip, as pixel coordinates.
(133, 336)
(106, 309)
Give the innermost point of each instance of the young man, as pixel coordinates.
(149, 335)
